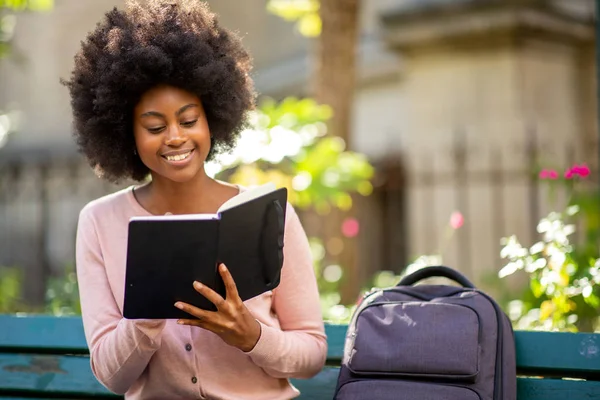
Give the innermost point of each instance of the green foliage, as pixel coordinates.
(563, 289)
(304, 12)
(563, 274)
(10, 290)
(287, 143)
(62, 296)
(292, 113)
(27, 5)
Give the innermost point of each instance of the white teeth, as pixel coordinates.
(178, 157)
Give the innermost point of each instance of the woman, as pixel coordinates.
(157, 90)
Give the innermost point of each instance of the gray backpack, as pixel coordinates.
(428, 342)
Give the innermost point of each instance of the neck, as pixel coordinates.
(191, 197)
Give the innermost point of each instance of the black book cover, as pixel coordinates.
(165, 254)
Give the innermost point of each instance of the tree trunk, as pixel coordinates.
(334, 78)
(334, 84)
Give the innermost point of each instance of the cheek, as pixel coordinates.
(138, 138)
(146, 143)
(204, 130)
(202, 136)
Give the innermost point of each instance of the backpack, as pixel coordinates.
(428, 342)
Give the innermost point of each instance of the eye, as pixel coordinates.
(189, 124)
(156, 130)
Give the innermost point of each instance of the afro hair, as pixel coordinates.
(175, 42)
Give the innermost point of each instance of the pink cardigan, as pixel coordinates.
(162, 360)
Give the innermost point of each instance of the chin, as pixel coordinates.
(182, 176)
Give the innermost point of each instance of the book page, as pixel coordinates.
(248, 195)
(178, 217)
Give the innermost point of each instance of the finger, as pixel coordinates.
(200, 314)
(231, 291)
(191, 322)
(210, 294)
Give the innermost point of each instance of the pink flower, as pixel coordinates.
(582, 170)
(548, 174)
(577, 170)
(456, 220)
(350, 227)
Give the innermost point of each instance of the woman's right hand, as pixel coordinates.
(232, 321)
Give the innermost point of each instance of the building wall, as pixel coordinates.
(47, 42)
(495, 100)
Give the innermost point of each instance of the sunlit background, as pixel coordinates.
(409, 133)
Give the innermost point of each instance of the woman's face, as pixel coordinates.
(171, 133)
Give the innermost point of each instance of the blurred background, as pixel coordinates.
(409, 132)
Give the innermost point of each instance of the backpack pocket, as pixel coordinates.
(403, 390)
(433, 340)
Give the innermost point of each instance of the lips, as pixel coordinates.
(177, 155)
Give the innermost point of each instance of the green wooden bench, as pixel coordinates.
(46, 357)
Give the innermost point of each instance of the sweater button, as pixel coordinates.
(188, 347)
(194, 380)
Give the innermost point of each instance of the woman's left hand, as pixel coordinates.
(232, 321)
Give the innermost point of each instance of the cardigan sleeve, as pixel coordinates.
(120, 349)
(299, 348)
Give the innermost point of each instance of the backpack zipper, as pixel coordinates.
(499, 378)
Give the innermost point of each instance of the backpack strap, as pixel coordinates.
(436, 271)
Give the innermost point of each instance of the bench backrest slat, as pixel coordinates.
(336, 335)
(537, 352)
(546, 353)
(563, 354)
(42, 334)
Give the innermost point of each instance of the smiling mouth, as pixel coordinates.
(178, 157)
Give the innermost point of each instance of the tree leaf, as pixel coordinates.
(536, 287)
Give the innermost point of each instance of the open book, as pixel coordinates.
(166, 253)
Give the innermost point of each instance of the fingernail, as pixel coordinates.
(222, 267)
(179, 305)
(197, 285)
(180, 322)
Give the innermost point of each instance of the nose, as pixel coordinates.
(175, 137)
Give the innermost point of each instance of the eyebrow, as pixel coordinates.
(178, 113)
